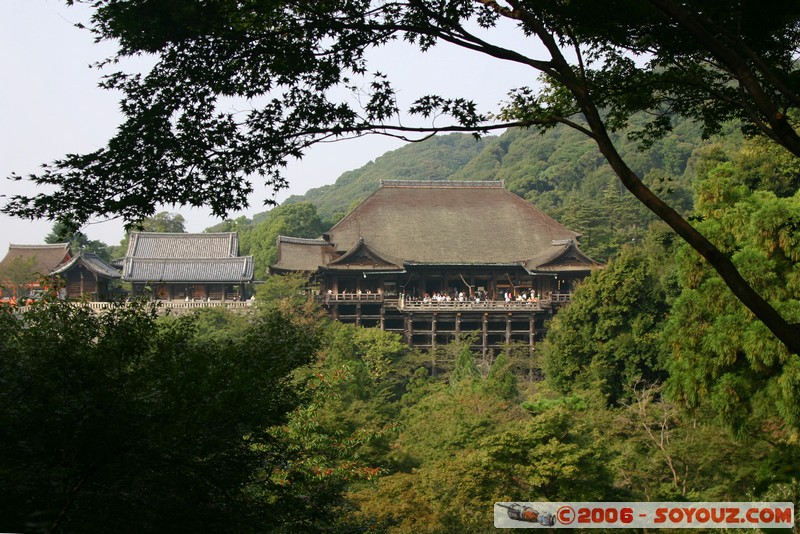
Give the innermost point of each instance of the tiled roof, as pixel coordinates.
(162, 257)
(164, 245)
(449, 223)
(223, 270)
(92, 262)
(48, 257)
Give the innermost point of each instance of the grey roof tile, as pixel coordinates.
(92, 262)
(166, 245)
(223, 270)
(163, 257)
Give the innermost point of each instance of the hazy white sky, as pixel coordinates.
(50, 106)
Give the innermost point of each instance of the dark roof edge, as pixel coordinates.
(464, 264)
(444, 183)
(47, 245)
(303, 241)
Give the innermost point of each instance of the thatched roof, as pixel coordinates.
(442, 223)
(46, 257)
(305, 255)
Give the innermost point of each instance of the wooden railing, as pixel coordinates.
(416, 304)
(471, 305)
(171, 304)
(351, 297)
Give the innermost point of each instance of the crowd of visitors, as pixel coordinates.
(454, 295)
(477, 297)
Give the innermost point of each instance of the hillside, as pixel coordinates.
(438, 158)
(560, 172)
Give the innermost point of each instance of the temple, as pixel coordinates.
(84, 275)
(22, 266)
(171, 266)
(433, 260)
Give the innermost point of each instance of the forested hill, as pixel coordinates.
(438, 158)
(560, 171)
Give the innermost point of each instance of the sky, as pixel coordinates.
(50, 106)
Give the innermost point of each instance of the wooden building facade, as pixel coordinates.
(433, 260)
(86, 276)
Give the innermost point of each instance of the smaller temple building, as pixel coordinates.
(85, 275)
(24, 264)
(173, 266)
(431, 260)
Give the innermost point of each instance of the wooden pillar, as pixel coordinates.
(409, 329)
(358, 314)
(433, 332)
(383, 315)
(508, 328)
(458, 324)
(485, 336)
(531, 334)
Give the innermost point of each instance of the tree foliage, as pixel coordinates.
(295, 220)
(18, 273)
(120, 421)
(609, 336)
(163, 222)
(78, 241)
(727, 359)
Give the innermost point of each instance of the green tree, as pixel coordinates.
(465, 374)
(78, 241)
(291, 288)
(18, 273)
(609, 336)
(501, 381)
(704, 59)
(163, 222)
(120, 421)
(471, 448)
(295, 220)
(727, 360)
(661, 452)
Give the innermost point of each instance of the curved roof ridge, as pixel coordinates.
(46, 245)
(179, 244)
(92, 262)
(302, 240)
(186, 234)
(443, 183)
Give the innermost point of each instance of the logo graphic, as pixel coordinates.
(519, 512)
(658, 515)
